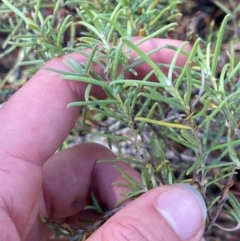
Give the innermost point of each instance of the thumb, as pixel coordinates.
(174, 213)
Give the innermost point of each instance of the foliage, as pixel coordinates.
(196, 111)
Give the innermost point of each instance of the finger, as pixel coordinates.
(40, 107)
(163, 56)
(70, 176)
(166, 213)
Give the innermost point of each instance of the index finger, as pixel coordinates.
(36, 120)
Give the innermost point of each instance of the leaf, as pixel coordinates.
(163, 123)
(94, 102)
(160, 75)
(219, 44)
(194, 165)
(190, 138)
(65, 24)
(128, 178)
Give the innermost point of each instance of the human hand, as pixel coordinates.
(34, 179)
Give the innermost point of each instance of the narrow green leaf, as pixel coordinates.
(235, 204)
(223, 7)
(130, 196)
(162, 98)
(187, 96)
(208, 56)
(91, 58)
(63, 27)
(206, 132)
(189, 61)
(174, 60)
(87, 80)
(222, 177)
(134, 100)
(110, 29)
(204, 109)
(87, 92)
(17, 11)
(128, 178)
(218, 165)
(135, 82)
(177, 138)
(90, 40)
(194, 166)
(232, 143)
(31, 62)
(161, 31)
(55, 11)
(190, 138)
(91, 28)
(158, 147)
(111, 136)
(98, 24)
(112, 23)
(160, 75)
(149, 115)
(106, 111)
(219, 44)
(219, 107)
(37, 14)
(213, 202)
(48, 46)
(163, 123)
(233, 72)
(117, 58)
(143, 107)
(94, 102)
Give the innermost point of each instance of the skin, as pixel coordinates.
(34, 179)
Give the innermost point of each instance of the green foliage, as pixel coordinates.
(196, 110)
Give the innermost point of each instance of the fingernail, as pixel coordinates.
(182, 206)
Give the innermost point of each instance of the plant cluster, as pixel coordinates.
(194, 109)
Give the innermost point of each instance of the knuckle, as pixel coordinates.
(128, 229)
